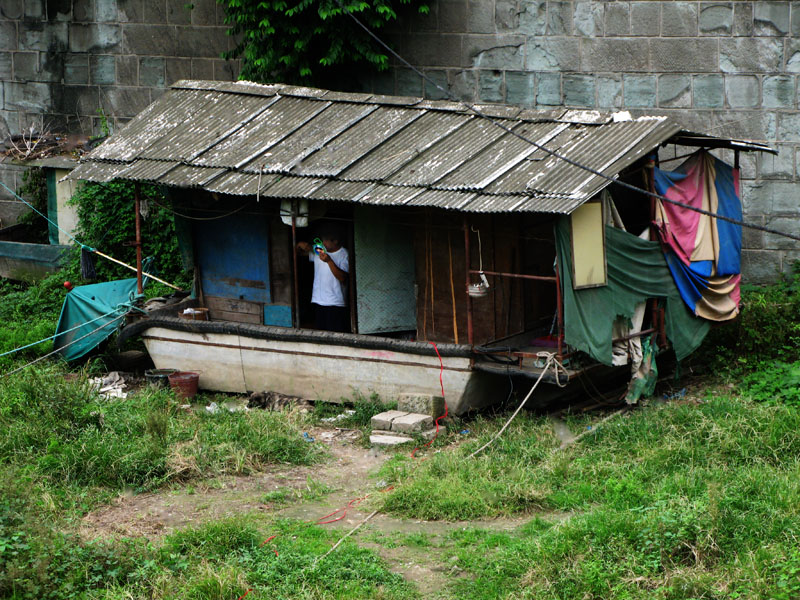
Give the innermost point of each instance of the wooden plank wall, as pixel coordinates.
(509, 244)
(239, 311)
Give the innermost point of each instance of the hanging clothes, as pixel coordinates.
(703, 253)
(636, 271)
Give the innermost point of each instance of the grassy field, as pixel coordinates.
(65, 451)
(676, 501)
(698, 499)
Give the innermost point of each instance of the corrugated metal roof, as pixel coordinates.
(293, 142)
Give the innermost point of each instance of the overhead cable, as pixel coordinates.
(554, 153)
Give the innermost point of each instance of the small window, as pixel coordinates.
(588, 247)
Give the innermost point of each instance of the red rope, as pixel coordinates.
(243, 595)
(441, 384)
(352, 504)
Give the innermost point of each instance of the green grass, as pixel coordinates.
(64, 451)
(679, 501)
(62, 430)
(313, 490)
(693, 500)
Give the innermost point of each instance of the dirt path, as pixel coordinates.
(351, 473)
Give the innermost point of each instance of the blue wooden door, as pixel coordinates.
(233, 255)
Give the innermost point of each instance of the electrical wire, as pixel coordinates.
(554, 153)
(183, 216)
(55, 335)
(34, 209)
(33, 362)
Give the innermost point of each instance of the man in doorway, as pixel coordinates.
(328, 296)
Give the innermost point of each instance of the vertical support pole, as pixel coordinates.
(656, 316)
(137, 203)
(351, 280)
(470, 336)
(295, 289)
(736, 159)
(559, 313)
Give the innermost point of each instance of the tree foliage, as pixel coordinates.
(107, 222)
(310, 42)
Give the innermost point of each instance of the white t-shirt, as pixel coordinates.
(329, 291)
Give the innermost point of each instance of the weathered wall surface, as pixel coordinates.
(68, 65)
(726, 68)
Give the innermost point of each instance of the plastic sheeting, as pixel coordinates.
(637, 271)
(98, 307)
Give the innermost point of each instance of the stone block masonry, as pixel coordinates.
(726, 68)
(62, 62)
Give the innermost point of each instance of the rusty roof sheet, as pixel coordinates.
(281, 141)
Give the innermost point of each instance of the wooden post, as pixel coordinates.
(470, 335)
(351, 288)
(137, 203)
(295, 290)
(559, 313)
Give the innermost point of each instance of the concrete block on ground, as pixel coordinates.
(428, 434)
(389, 440)
(423, 404)
(384, 420)
(412, 423)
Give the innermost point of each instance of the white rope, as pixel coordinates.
(550, 361)
(33, 362)
(55, 335)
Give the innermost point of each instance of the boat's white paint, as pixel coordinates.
(316, 371)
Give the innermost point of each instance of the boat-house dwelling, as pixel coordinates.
(461, 232)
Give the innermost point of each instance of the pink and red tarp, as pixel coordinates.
(703, 253)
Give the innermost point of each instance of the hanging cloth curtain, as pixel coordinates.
(703, 253)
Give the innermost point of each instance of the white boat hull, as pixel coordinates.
(234, 363)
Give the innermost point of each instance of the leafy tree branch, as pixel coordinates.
(310, 42)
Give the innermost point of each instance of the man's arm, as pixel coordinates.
(337, 272)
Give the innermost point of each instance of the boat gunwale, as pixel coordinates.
(290, 334)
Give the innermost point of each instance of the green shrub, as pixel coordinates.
(106, 221)
(767, 329)
(773, 382)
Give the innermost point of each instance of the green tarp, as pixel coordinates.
(91, 305)
(636, 271)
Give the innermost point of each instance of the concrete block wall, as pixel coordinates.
(725, 68)
(67, 66)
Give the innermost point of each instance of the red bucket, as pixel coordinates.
(184, 383)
